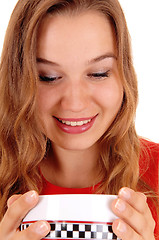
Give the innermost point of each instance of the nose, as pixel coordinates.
(75, 97)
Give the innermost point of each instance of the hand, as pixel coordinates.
(135, 219)
(18, 207)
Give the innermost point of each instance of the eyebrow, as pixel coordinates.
(94, 60)
(102, 57)
(45, 61)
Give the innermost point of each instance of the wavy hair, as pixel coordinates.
(22, 144)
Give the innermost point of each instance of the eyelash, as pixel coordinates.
(49, 79)
(96, 75)
(100, 75)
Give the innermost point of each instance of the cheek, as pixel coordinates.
(111, 96)
(46, 99)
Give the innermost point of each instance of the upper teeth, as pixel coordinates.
(73, 124)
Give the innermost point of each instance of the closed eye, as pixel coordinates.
(49, 79)
(99, 74)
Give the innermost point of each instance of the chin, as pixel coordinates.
(75, 145)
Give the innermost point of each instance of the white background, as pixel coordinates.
(143, 23)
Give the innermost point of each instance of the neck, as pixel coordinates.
(70, 168)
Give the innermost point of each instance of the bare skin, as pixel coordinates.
(84, 85)
(18, 206)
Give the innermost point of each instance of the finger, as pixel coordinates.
(124, 231)
(133, 218)
(17, 211)
(36, 231)
(138, 201)
(135, 199)
(12, 199)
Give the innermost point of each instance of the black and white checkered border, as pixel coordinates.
(69, 230)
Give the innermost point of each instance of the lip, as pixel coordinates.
(75, 129)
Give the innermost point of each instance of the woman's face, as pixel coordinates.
(79, 90)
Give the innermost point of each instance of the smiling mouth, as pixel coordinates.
(75, 125)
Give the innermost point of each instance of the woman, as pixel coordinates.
(68, 123)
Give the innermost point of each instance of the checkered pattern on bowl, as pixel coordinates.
(77, 230)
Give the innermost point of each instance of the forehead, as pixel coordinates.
(84, 34)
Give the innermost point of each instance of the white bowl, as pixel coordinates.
(75, 216)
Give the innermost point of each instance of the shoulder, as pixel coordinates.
(149, 144)
(149, 162)
(149, 149)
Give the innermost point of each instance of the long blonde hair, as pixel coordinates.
(22, 144)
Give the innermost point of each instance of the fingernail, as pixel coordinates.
(30, 196)
(41, 228)
(125, 192)
(121, 227)
(120, 205)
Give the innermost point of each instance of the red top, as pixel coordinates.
(149, 169)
